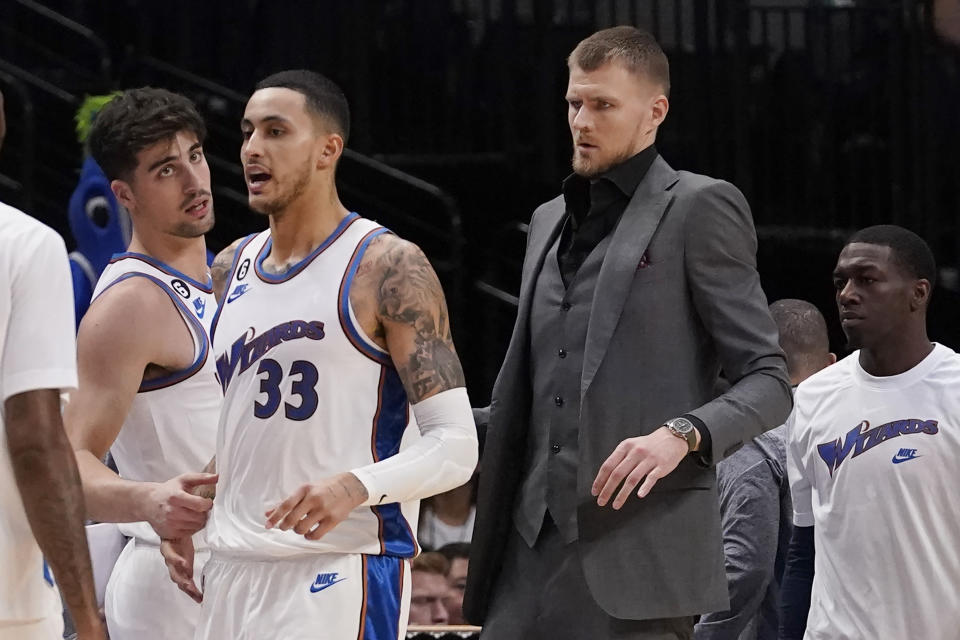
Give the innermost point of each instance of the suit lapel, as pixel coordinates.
(539, 246)
(630, 240)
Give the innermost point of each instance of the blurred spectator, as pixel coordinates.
(429, 588)
(448, 517)
(755, 505)
(458, 555)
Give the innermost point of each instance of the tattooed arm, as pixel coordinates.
(413, 318)
(410, 320)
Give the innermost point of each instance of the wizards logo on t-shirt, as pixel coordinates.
(862, 438)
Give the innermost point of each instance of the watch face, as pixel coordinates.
(681, 425)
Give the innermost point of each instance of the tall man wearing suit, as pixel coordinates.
(597, 513)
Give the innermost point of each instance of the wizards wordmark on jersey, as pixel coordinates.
(249, 347)
(862, 438)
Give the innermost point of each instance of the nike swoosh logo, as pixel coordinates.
(315, 588)
(236, 293)
(897, 459)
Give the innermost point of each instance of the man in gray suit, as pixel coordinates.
(639, 286)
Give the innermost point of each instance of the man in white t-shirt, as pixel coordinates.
(39, 487)
(873, 457)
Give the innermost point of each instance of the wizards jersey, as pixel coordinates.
(172, 424)
(307, 396)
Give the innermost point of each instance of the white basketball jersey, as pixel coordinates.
(306, 396)
(172, 424)
(873, 465)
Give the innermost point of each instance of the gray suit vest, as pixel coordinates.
(558, 333)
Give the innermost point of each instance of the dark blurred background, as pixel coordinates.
(830, 115)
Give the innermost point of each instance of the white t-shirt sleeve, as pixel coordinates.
(39, 349)
(801, 488)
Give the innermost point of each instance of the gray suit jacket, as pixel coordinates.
(678, 298)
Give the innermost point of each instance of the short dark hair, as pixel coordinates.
(909, 251)
(455, 550)
(637, 49)
(135, 120)
(324, 97)
(803, 334)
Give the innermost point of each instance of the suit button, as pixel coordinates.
(558, 401)
(565, 306)
(562, 353)
(555, 448)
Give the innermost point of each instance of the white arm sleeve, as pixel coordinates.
(442, 459)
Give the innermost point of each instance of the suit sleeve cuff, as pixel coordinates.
(703, 454)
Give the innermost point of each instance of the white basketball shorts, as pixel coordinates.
(314, 597)
(142, 603)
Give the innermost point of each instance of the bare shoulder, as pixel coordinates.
(220, 269)
(399, 284)
(133, 319)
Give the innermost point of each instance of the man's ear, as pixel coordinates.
(330, 151)
(921, 294)
(123, 193)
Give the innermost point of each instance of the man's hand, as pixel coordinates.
(179, 555)
(173, 511)
(313, 510)
(646, 458)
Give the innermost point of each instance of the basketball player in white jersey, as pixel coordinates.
(41, 503)
(344, 397)
(873, 458)
(147, 389)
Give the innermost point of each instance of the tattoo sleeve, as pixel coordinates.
(410, 298)
(46, 474)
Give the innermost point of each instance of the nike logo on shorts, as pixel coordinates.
(324, 581)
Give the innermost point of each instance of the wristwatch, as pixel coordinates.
(683, 428)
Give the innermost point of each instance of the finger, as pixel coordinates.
(277, 513)
(606, 469)
(323, 528)
(615, 478)
(189, 501)
(633, 479)
(648, 483)
(309, 521)
(292, 519)
(190, 480)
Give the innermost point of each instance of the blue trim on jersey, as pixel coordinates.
(176, 376)
(396, 537)
(383, 590)
(300, 266)
(353, 334)
(163, 266)
(226, 289)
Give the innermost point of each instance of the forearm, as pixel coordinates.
(443, 458)
(797, 584)
(110, 498)
(46, 475)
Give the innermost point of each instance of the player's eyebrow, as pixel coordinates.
(246, 122)
(170, 158)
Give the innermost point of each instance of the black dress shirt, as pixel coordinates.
(594, 207)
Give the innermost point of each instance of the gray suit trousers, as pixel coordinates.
(542, 595)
